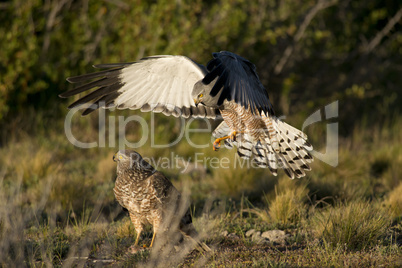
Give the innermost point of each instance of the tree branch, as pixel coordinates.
(56, 7)
(322, 4)
(380, 35)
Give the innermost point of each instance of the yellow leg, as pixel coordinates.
(232, 136)
(217, 143)
(153, 238)
(137, 239)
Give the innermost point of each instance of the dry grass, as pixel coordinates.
(289, 205)
(57, 204)
(394, 201)
(235, 178)
(286, 205)
(369, 165)
(355, 226)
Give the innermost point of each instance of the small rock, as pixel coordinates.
(275, 236)
(232, 235)
(255, 236)
(224, 233)
(250, 232)
(265, 241)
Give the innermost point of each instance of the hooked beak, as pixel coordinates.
(196, 101)
(115, 157)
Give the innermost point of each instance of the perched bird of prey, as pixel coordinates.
(150, 198)
(228, 87)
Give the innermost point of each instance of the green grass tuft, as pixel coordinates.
(356, 226)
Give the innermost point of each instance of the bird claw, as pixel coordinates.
(134, 249)
(217, 145)
(137, 248)
(232, 136)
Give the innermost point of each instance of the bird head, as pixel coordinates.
(198, 94)
(130, 159)
(122, 156)
(201, 94)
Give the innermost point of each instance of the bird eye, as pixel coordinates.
(120, 157)
(201, 95)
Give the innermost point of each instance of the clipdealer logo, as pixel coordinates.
(116, 128)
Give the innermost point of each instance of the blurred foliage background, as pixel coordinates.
(308, 53)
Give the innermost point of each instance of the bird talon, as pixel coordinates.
(232, 136)
(217, 145)
(134, 249)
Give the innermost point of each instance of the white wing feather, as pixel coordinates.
(159, 81)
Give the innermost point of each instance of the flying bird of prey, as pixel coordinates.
(227, 87)
(151, 198)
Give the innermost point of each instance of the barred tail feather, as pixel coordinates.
(244, 145)
(265, 157)
(282, 146)
(293, 134)
(294, 149)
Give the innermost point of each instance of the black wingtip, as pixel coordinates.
(87, 111)
(71, 79)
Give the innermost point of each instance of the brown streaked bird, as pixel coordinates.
(151, 198)
(228, 87)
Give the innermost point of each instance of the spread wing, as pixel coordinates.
(161, 84)
(238, 81)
